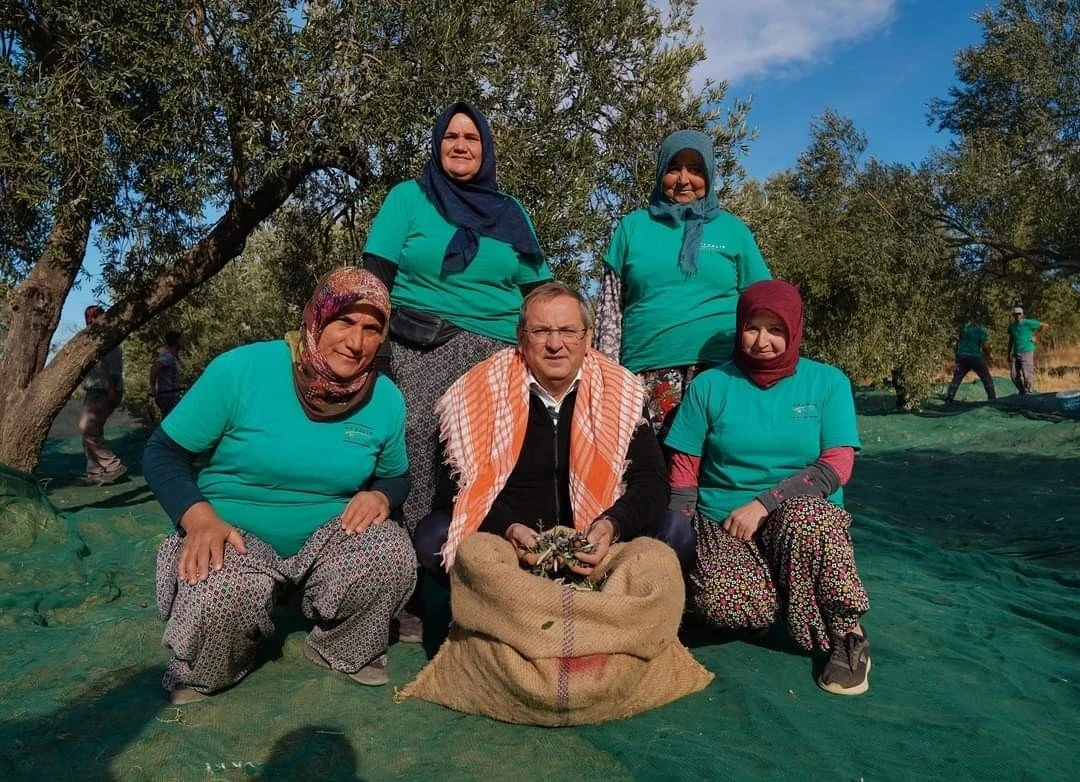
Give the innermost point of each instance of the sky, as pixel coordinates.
(876, 61)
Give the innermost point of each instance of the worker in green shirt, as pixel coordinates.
(972, 355)
(1021, 353)
(672, 276)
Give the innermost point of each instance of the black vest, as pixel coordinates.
(537, 493)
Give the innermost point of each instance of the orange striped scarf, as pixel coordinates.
(482, 421)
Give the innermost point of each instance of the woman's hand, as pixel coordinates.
(205, 538)
(601, 534)
(744, 522)
(364, 509)
(522, 539)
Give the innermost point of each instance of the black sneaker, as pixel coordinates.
(848, 666)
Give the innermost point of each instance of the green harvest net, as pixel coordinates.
(967, 536)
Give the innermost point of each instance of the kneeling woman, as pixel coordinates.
(306, 447)
(762, 447)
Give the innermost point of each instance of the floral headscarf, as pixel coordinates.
(323, 394)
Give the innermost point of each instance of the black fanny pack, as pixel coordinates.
(419, 329)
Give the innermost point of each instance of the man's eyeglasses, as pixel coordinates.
(568, 335)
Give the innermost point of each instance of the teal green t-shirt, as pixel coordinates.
(670, 320)
(749, 438)
(484, 298)
(972, 337)
(1022, 333)
(274, 472)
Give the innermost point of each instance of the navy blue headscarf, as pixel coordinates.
(694, 215)
(477, 207)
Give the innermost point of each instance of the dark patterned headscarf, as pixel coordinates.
(323, 394)
(477, 207)
(694, 215)
(782, 299)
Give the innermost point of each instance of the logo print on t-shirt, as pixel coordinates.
(804, 410)
(359, 434)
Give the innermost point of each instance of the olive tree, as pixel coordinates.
(879, 280)
(171, 131)
(1008, 184)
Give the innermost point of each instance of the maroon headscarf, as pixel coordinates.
(322, 394)
(783, 299)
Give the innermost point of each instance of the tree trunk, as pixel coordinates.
(26, 413)
(31, 393)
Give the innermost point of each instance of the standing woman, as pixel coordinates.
(672, 277)
(458, 256)
(761, 448)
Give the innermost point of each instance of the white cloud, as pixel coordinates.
(746, 38)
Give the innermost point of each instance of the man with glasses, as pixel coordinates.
(547, 433)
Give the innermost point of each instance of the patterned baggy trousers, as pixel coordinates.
(351, 586)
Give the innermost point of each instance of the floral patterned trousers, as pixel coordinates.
(664, 389)
(799, 568)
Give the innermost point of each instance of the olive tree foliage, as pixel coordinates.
(245, 302)
(260, 295)
(877, 276)
(1009, 183)
(174, 130)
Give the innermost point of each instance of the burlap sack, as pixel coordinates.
(524, 649)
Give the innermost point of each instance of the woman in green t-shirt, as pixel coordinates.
(305, 459)
(761, 448)
(458, 256)
(672, 276)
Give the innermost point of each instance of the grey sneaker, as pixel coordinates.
(186, 695)
(848, 666)
(410, 628)
(374, 674)
(101, 478)
(113, 475)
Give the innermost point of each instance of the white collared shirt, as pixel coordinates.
(552, 404)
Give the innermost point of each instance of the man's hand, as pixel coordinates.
(204, 544)
(744, 522)
(364, 509)
(601, 533)
(522, 539)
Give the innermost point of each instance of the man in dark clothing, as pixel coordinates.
(549, 433)
(104, 387)
(972, 355)
(165, 385)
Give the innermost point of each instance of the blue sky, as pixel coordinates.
(875, 61)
